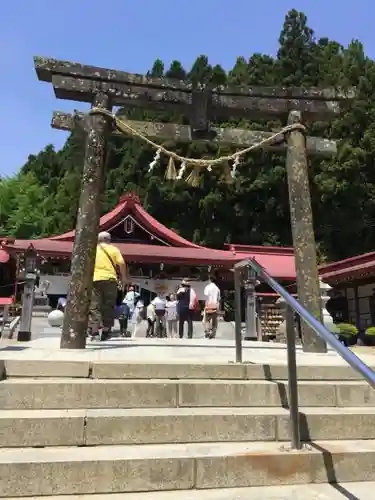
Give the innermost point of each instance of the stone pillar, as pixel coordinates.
(250, 303)
(84, 250)
(303, 232)
(24, 332)
(258, 302)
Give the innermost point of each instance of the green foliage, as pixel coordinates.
(43, 197)
(347, 330)
(176, 71)
(370, 331)
(296, 57)
(22, 206)
(157, 70)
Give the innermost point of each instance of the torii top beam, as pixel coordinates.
(80, 82)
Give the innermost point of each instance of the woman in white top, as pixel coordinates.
(171, 316)
(137, 317)
(159, 304)
(128, 306)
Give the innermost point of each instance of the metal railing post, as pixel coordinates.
(237, 314)
(292, 378)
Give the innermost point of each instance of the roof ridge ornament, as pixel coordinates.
(131, 196)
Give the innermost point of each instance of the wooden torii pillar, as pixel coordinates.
(106, 88)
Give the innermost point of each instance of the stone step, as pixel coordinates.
(122, 469)
(87, 393)
(353, 491)
(138, 370)
(37, 428)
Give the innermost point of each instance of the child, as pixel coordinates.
(171, 315)
(137, 317)
(151, 318)
(128, 307)
(123, 318)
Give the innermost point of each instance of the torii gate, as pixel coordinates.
(104, 88)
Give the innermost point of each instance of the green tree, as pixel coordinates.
(157, 70)
(261, 70)
(218, 75)
(296, 61)
(239, 75)
(201, 70)
(176, 71)
(22, 207)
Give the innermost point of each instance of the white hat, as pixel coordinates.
(104, 236)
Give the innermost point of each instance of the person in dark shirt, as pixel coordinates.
(186, 304)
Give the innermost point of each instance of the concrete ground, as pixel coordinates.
(197, 350)
(45, 344)
(351, 491)
(225, 330)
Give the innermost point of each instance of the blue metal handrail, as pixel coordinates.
(293, 306)
(354, 361)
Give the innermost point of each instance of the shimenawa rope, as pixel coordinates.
(196, 163)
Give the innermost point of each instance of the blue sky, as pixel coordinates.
(130, 35)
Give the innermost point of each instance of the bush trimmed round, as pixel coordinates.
(347, 330)
(55, 318)
(370, 331)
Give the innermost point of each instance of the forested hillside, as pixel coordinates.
(42, 198)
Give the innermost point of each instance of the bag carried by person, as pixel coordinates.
(211, 308)
(118, 277)
(193, 301)
(120, 288)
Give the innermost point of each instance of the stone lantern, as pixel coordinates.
(30, 272)
(327, 318)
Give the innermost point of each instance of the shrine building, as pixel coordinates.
(353, 280)
(157, 257)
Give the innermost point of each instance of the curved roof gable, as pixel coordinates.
(130, 205)
(347, 268)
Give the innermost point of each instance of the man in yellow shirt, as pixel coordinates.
(109, 272)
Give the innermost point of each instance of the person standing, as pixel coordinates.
(110, 272)
(151, 319)
(160, 303)
(171, 315)
(187, 303)
(137, 317)
(129, 303)
(211, 308)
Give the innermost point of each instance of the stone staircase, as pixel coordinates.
(186, 431)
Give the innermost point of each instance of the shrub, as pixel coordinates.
(370, 331)
(347, 330)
